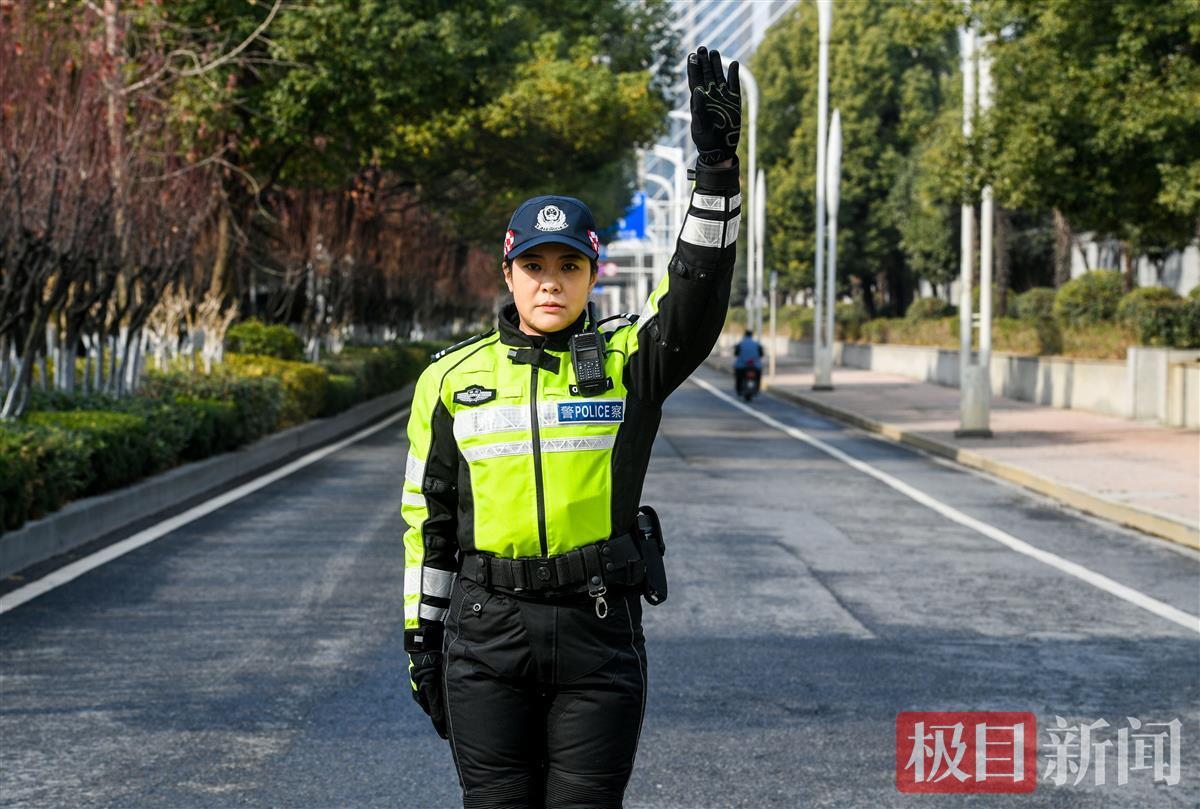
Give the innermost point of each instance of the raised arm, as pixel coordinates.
(683, 317)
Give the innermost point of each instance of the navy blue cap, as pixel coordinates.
(552, 219)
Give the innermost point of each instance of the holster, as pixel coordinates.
(653, 548)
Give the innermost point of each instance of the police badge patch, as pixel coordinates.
(474, 395)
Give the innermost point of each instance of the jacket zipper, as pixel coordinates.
(537, 459)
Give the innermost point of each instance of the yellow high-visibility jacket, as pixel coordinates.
(505, 458)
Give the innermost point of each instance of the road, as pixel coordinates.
(253, 658)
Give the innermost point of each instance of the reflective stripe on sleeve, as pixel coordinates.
(414, 471)
(412, 580)
(411, 612)
(701, 232)
(431, 613)
(708, 202)
(413, 499)
(437, 582)
(731, 229)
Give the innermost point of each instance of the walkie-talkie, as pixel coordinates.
(587, 355)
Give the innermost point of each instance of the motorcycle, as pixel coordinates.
(749, 382)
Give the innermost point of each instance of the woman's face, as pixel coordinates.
(550, 284)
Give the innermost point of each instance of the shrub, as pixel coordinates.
(1021, 337)
(212, 426)
(1035, 304)
(1194, 293)
(848, 319)
(257, 401)
(41, 468)
(380, 369)
(255, 337)
(118, 446)
(1129, 310)
(1090, 298)
(1187, 327)
(876, 331)
(303, 383)
(1165, 321)
(928, 309)
(343, 392)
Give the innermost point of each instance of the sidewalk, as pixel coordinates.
(1142, 475)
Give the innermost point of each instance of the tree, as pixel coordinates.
(888, 76)
(1095, 116)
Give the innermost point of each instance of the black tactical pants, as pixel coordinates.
(545, 699)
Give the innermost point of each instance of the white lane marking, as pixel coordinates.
(77, 568)
(1159, 608)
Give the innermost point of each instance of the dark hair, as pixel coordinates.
(749, 332)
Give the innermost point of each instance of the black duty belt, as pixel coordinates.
(615, 561)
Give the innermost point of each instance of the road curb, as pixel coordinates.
(92, 518)
(1149, 522)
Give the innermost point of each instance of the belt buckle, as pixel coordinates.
(542, 576)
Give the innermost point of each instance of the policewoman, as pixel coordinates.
(527, 553)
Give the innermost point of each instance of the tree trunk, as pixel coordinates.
(217, 285)
(1127, 265)
(1062, 249)
(1003, 264)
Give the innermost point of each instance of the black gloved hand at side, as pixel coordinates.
(716, 106)
(427, 679)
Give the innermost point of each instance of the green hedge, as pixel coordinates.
(1035, 304)
(70, 445)
(1091, 298)
(257, 401)
(41, 469)
(303, 383)
(928, 309)
(118, 447)
(255, 337)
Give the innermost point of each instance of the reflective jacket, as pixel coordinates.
(504, 458)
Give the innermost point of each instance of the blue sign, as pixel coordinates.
(602, 410)
(633, 224)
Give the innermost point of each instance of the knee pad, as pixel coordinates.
(567, 790)
(512, 793)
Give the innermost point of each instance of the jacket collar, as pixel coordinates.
(508, 324)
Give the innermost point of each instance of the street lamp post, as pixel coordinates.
(973, 381)
(822, 343)
(753, 275)
(760, 227)
(833, 179)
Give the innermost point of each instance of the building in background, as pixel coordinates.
(637, 259)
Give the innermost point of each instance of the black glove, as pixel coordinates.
(716, 106)
(426, 673)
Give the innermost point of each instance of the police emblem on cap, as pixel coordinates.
(508, 241)
(551, 218)
(474, 395)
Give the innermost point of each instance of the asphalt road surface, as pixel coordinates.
(254, 657)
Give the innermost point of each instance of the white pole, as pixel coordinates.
(674, 156)
(967, 242)
(833, 178)
(774, 333)
(666, 222)
(822, 343)
(987, 218)
(753, 284)
(760, 227)
(973, 383)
